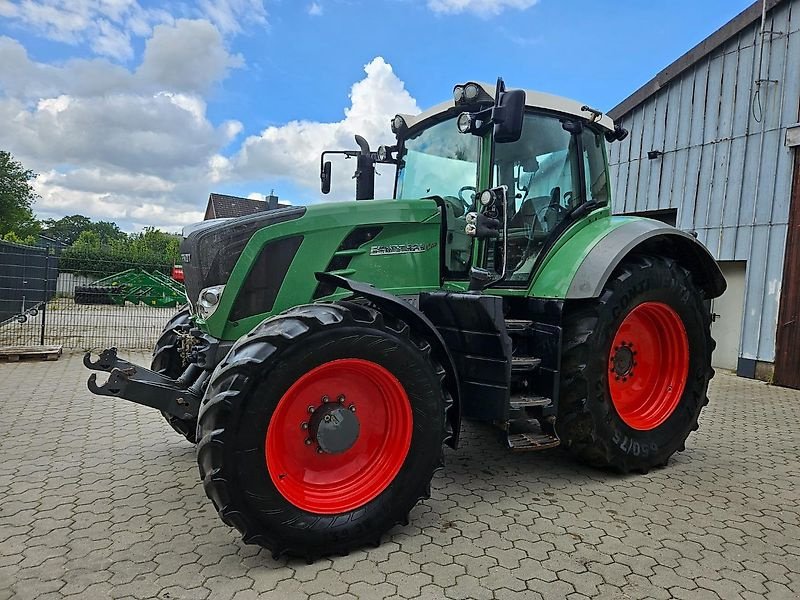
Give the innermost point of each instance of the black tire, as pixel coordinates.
(588, 422)
(82, 295)
(244, 393)
(167, 360)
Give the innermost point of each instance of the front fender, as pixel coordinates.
(417, 320)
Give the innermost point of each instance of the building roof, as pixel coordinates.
(223, 206)
(533, 99)
(732, 28)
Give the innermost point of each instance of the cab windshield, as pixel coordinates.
(441, 161)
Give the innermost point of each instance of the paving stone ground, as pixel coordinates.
(100, 499)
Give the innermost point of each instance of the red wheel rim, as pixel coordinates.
(316, 480)
(648, 365)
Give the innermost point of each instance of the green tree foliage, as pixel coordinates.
(152, 250)
(16, 198)
(68, 229)
(28, 240)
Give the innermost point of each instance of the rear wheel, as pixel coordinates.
(635, 368)
(168, 361)
(322, 429)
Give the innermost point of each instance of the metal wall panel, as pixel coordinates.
(725, 166)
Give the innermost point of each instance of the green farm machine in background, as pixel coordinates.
(136, 286)
(329, 352)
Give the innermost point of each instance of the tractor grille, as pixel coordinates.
(210, 249)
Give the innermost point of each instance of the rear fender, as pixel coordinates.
(651, 237)
(405, 311)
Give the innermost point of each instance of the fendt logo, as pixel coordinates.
(401, 249)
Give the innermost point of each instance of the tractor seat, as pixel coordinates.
(526, 217)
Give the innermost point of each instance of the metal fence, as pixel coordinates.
(86, 310)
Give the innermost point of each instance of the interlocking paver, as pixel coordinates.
(102, 500)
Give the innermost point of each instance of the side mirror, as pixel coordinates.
(508, 116)
(325, 176)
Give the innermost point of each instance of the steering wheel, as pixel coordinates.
(467, 203)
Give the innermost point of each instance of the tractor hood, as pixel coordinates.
(267, 261)
(210, 249)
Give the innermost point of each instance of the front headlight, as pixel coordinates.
(208, 300)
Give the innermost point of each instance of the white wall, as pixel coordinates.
(727, 329)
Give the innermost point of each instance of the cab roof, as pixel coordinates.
(533, 99)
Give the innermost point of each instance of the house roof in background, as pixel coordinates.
(733, 27)
(225, 206)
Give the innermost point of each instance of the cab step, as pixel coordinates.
(530, 442)
(532, 401)
(523, 364)
(528, 435)
(518, 325)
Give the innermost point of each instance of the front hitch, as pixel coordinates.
(178, 397)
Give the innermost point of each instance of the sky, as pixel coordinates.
(134, 111)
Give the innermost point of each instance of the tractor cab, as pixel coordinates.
(511, 170)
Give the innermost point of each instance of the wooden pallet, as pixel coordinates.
(14, 353)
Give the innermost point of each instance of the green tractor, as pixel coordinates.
(328, 352)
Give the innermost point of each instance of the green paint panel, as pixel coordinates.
(408, 261)
(559, 267)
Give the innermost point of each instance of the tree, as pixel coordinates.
(16, 198)
(69, 229)
(108, 231)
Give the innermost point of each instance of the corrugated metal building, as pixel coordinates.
(713, 148)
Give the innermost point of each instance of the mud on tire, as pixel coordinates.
(589, 422)
(246, 392)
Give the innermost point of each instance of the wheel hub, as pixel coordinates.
(334, 428)
(622, 361)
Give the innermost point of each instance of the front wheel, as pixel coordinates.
(322, 429)
(635, 367)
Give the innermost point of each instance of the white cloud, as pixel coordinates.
(136, 146)
(315, 9)
(187, 56)
(230, 15)
(484, 8)
(133, 201)
(292, 150)
(108, 26)
(105, 26)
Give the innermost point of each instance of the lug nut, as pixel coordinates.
(325, 399)
(320, 450)
(311, 409)
(308, 441)
(303, 425)
(352, 408)
(340, 399)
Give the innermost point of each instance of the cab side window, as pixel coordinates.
(594, 163)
